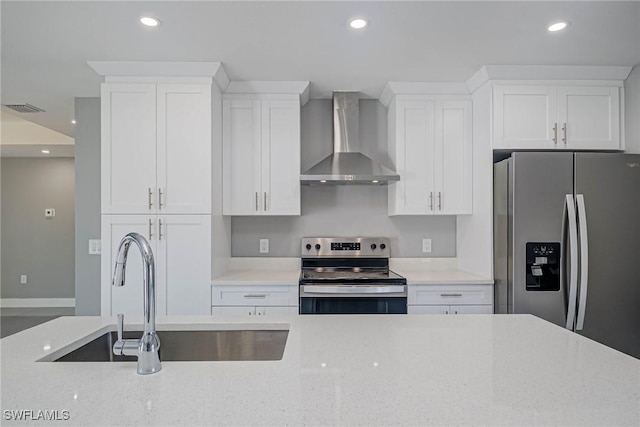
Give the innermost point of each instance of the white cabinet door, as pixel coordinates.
(236, 311)
(589, 117)
(524, 117)
(416, 150)
(453, 158)
(184, 148)
(128, 149)
(280, 157)
(471, 309)
(127, 299)
(184, 263)
(242, 157)
(428, 309)
(276, 311)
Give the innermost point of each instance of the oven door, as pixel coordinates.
(353, 299)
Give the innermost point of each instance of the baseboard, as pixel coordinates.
(37, 302)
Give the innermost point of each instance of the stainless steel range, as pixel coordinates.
(349, 276)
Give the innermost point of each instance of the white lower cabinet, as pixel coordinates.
(253, 311)
(450, 309)
(254, 300)
(181, 245)
(450, 299)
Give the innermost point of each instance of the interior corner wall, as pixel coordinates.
(87, 181)
(632, 111)
(40, 248)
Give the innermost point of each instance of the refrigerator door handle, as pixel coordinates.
(570, 214)
(584, 260)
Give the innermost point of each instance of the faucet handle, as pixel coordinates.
(120, 326)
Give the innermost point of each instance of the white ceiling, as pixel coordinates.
(46, 45)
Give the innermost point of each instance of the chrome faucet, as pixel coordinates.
(148, 346)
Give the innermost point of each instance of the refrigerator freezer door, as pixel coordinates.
(539, 183)
(610, 185)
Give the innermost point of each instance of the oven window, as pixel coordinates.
(328, 305)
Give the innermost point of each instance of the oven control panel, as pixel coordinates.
(345, 247)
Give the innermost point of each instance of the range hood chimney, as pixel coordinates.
(347, 165)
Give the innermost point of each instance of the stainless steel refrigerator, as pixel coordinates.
(567, 242)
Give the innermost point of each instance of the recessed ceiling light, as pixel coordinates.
(375, 181)
(558, 26)
(45, 151)
(149, 21)
(323, 180)
(358, 23)
(73, 122)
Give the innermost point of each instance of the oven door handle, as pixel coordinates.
(353, 289)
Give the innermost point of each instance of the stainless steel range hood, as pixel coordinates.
(347, 165)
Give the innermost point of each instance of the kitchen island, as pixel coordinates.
(336, 370)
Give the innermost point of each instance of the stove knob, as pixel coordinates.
(317, 246)
(373, 246)
(382, 246)
(308, 247)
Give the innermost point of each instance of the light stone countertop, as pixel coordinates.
(384, 370)
(286, 271)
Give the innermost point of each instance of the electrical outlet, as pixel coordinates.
(23, 279)
(95, 247)
(426, 246)
(264, 246)
(49, 213)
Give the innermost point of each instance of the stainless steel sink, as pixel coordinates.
(191, 346)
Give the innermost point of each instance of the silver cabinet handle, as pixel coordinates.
(256, 201)
(439, 200)
(564, 133)
(150, 198)
(159, 229)
(450, 295)
(159, 198)
(265, 201)
(555, 133)
(255, 296)
(150, 229)
(431, 200)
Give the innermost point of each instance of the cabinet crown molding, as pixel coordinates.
(421, 88)
(213, 70)
(300, 88)
(546, 72)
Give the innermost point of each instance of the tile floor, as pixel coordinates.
(14, 320)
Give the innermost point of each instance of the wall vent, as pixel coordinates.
(24, 108)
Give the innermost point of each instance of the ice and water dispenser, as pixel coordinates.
(543, 266)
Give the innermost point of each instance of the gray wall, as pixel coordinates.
(343, 210)
(632, 110)
(87, 154)
(42, 248)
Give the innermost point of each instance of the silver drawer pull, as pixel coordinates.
(255, 296)
(450, 295)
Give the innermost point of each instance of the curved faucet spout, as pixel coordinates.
(148, 346)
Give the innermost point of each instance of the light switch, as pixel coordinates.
(264, 246)
(23, 279)
(49, 213)
(95, 247)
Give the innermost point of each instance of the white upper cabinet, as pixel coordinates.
(128, 148)
(184, 148)
(556, 117)
(156, 148)
(431, 145)
(261, 152)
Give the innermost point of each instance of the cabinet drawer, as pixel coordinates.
(450, 294)
(233, 295)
